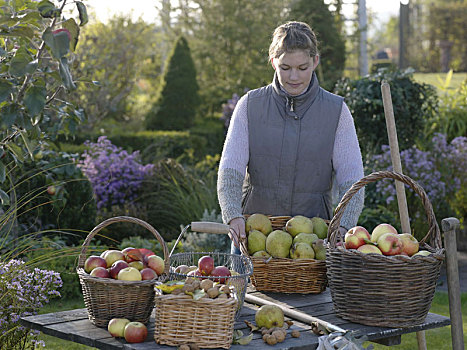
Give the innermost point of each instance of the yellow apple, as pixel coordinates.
(410, 244)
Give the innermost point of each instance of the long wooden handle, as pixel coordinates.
(210, 227)
(296, 315)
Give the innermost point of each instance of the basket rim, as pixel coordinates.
(88, 278)
(433, 233)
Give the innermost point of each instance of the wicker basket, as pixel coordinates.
(208, 323)
(283, 275)
(107, 298)
(378, 290)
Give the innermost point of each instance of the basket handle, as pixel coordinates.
(433, 232)
(105, 223)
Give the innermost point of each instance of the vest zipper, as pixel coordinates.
(291, 102)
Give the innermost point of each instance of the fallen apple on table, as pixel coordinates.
(116, 327)
(135, 332)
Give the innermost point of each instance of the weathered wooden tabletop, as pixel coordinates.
(74, 326)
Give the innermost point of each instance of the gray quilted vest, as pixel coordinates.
(291, 143)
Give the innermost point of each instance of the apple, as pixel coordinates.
(184, 269)
(148, 274)
(156, 263)
(112, 256)
(116, 267)
(369, 248)
(100, 272)
(206, 265)
(135, 332)
(221, 271)
(422, 253)
(51, 190)
(410, 244)
(145, 252)
(380, 230)
(129, 274)
(132, 254)
(94, 261)
(116, 327)
(355, 237)
(390, 244)
(136, 264)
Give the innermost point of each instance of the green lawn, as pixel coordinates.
(432, 79)
(437, 339)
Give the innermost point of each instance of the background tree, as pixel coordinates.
(178, 99)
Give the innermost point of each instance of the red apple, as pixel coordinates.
(410, 244)
(94, 261)
(206, 265)
(135, 332)
(156, 263)
(390, 244)
(221, 271)
(116, 327)
(132, 254)
(148, 274)
(116, 267)
(112, 256)
(136, 264)
(145, 252)
(355, 237)
(380, 230)
(100, 272)
(369, 248)
(129, 274)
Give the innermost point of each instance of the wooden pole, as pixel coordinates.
(397, 166)
(450, 226)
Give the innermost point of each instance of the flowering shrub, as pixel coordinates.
(116, 175)
(228, 108)
(23, 291)
(441, 170)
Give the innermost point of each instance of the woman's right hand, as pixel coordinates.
(237, 225)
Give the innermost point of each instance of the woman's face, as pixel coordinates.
(294, 70)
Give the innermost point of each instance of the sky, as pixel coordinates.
(148, 11)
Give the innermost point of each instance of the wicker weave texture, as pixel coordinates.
(106, 298)
(208, 323)
(378, 290)
(283, 275)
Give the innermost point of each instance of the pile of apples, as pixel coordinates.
(129, 264)
(133, 332)
(384, 240)
(206, 268)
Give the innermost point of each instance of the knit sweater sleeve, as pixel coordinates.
(348, 166)
(233, 163)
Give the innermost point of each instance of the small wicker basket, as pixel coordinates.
(208, 323)
(378, 290)
(107, 298)
(283, 275)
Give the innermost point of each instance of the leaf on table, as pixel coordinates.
(252, 326)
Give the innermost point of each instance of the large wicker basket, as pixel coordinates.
(106, 298)
(283, 275)
(378, 290)
(208, 323)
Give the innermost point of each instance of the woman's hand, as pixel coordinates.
(237, 227)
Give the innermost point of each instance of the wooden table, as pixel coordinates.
(74, 326)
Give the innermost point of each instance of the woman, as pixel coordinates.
(288, 140)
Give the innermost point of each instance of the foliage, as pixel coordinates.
(37, 40)
(178, 100)
(23, 292)
(122, 59)
(413, 105)
(228, 108)
(211, 131)
(441, 170)
(116, 176)
(332, 44)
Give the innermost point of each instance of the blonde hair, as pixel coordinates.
(292, 36)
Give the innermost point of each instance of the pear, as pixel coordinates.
(320, 249)
(320, 228)
(302, 251)
(256, 241)
(299, 224)
(269, 316)
(258, 222)
(261, 254)
(305, 237)
(278, 244)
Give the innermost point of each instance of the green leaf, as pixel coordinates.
(47, 9)
(83, 13)
(9, 113)
(73, 28)
(16, 150)
(21, 31)
(34, 99)
(4, 197)
(2, 172)
(5, 89)
(22, 63)
(59, 42)
(245, 340)
(65, 74)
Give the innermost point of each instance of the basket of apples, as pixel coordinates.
(120, 284)
(383, 278)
